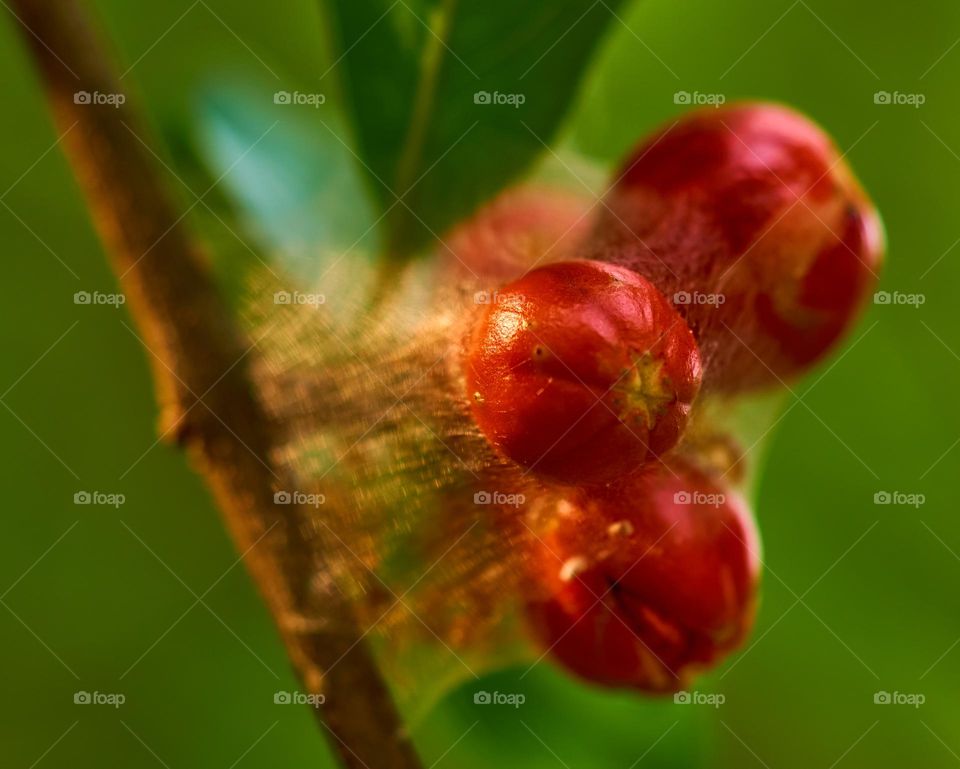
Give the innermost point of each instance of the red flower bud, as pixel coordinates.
(581, 371)
(750, 219)
(646, 583)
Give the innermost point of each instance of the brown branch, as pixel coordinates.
(206, 399)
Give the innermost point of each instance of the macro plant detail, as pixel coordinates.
(582, 371)
(648, 581)
(460, 413)
(751, 207)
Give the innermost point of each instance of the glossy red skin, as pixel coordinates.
(710, 205)
(638, 591)
(554, 368)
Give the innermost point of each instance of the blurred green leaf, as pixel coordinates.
(450, 101)
(294, 183)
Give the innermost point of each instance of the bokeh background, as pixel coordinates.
(149, 600)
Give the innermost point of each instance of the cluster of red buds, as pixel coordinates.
(733, 251)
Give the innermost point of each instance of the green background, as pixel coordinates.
(858, 598)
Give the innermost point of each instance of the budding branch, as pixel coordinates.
(207, 403)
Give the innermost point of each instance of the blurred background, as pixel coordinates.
(148, 599)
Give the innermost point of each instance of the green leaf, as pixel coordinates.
(295, 184)
(288, 200)
(451, 101)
